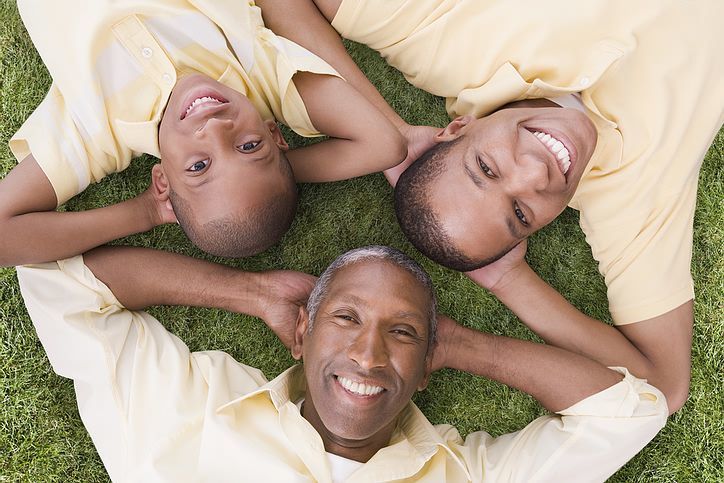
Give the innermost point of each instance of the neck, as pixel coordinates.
(354, 449)
(531, 103)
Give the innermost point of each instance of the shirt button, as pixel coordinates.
(146, 52)
(584, 81)
(167, 79)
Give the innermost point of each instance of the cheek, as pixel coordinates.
(550, 206)
(172, 147)
(411, 369)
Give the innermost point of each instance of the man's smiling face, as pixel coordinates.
(216, 151)
(509, 174)
(365, 355)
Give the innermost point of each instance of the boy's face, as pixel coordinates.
(502, 182)
(216, 151)
(366, 353)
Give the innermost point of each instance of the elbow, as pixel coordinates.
(677, 393)
(395, 150)
(7, 254)
(674, 388)
(401, 147)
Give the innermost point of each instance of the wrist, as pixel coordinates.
(249, 293)
(446, 342)
(403, 128)
(511, 280)
(145, 210)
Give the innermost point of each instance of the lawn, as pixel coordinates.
(43, 439)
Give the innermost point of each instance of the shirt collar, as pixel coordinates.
(414, 442)
(288, 386)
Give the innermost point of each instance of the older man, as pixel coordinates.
(157, 412)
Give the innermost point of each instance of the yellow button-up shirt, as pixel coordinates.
(157, 412)
(114, 64)
(650, 76)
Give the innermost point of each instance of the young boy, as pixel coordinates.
(199, 85)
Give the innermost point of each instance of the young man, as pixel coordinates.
(157, 412)
(199, 85)
(600, 106)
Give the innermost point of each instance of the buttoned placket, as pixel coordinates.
(153, 60)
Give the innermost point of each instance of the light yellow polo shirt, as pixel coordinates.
(158, 412)
(650, 76)
(115, 62)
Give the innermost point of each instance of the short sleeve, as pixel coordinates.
(69, 155)
(645, 257)
(277, 60)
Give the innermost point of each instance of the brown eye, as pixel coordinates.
(485, 169)
(250, 146)
(198, 166)
(519, 214)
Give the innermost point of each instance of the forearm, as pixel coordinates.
(142, 277)
(300, 21)
(555, 377)
(345, 159)
(49, 235)
(559, 323)
(361, 140)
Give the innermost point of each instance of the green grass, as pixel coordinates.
(42, 437)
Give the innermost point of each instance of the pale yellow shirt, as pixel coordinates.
(157, 412)
(650, 76)
(114, 64)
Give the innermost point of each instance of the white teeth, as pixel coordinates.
(557, 148)
(358, 387)
(199, 101)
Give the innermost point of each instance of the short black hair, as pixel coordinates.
(236, 236)
(419, 222)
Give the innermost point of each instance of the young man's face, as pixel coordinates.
(366, 353)
(217, 153)
(504, 179)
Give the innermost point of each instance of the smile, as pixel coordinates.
(201, 103)
(359, 388)
(557, 148)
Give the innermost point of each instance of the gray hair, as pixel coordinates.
(374, 252)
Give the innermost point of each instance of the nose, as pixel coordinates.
(368, 349)
(218, 130)
(529, 175)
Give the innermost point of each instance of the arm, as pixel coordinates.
(658, 349)
(301, 22)
(361, 140)
(603, 419)
(33, 232)
(141, 277)
(136, 383)
(285, 17)
(555, 377)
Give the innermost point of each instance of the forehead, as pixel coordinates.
(379, 284)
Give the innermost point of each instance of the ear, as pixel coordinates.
(299, 333)
(276, 134)
(160, 186)
(428, 370)
(454, 130)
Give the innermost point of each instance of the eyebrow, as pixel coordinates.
(402, 314)
(197, 182)
(349, 298)
(475, 177)
(514, 228)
